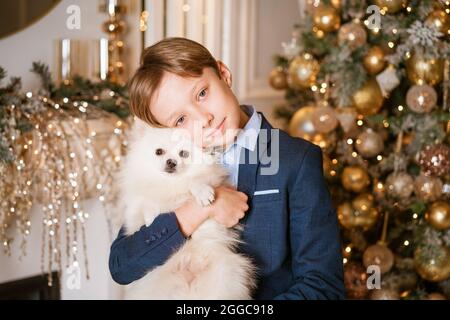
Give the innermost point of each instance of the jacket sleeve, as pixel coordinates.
(131, 257)
(314, 233)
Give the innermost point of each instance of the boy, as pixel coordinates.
(290, 226)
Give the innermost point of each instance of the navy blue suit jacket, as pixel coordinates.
(292, 235)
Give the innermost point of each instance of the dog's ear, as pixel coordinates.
(140, 127)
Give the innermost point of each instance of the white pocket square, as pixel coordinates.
(269, 191)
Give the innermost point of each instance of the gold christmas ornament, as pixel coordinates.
(355, 178)
(353, 34)
(278, 79)
(374, 61)
(345, 215)
(326, 19)
(384, 294)
(438, 215)
(369, 144)
(336, 4)
(368, 100)
(301, 124)
(350, 217)
(434, 264)
(421, 98)
(424, 71)
(312, 5)
(363, 203)
(435, 160)
(324, 119)
(303, 71)
(440, 20)
(391, 6)
(112, 49)
(355, 281)
(428, 188)
(380, 255)
(399, 185)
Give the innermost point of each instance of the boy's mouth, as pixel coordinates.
(218, 129)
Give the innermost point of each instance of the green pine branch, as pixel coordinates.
(42, 70)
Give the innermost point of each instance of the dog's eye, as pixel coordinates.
(159, 152)
(184, 154)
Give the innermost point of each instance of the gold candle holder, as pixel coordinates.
(71, 60)
(114, 27)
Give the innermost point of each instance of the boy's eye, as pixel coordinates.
(180, 120)
(159, 152)
(202, 93)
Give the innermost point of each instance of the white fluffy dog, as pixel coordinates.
(163, 170)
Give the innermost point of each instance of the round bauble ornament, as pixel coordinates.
(355, 178)
(369, 144)
(400, 185)
(438, 215)
(421, 98)
(440, 20)
(326, 18)
(325, 119)
(391, 6)
(379, 255)
(432, 265)
(278, 79)
(303, 71)
(368, 99)
(374, 61)
(427, 188)
(421, 70)
(353, 34)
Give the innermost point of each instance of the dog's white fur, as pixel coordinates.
(207, 266)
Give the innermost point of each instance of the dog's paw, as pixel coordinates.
(203, 194)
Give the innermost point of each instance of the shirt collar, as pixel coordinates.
(248, 136)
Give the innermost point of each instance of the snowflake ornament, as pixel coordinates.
(422, 34)
(291, 49)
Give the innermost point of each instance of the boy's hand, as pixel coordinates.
(228, 208)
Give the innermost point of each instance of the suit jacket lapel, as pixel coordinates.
(250, 160)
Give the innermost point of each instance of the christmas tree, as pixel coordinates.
(368, 82)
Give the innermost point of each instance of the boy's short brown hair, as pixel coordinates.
(180, 56)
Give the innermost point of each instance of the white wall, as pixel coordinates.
(36, 43)
(17, 52)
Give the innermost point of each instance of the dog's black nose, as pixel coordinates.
(170, 163)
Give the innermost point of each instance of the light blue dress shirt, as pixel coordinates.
(246, 138)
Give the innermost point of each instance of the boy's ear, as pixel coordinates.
(225, 73)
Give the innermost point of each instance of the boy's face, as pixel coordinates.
(205, 106)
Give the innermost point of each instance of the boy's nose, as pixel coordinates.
(205, 119)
